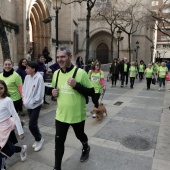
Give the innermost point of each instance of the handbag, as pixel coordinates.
(154, 81)
(167, 77)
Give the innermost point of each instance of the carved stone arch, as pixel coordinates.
(39, 33)
(101, 37)
(102, 53)
(36, 32)
(95, 31)
(98, 41)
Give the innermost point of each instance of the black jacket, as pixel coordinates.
(114, 69)
(121, 66)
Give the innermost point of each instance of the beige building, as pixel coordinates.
(162, 43)
(22, 22)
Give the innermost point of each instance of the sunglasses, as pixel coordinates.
(97, 64)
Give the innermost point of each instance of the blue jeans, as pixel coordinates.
(33, 122)
(132, 80)
(161, 80)
(123, 77)
(2, 162)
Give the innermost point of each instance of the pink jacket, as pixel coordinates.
(5, 129)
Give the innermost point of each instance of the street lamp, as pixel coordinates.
(137, 48)
(57, 7)
(152, 48)
(118, 38)
(157, 56)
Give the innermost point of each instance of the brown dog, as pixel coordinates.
(100, 112)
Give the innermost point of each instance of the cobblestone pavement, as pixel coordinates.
(143, 113)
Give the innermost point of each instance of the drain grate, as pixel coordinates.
(136, 143)
(118, 103)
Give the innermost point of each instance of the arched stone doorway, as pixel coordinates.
(39, 33)
(96, 49)
(102, 53)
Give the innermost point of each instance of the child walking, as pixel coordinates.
(33, 97)
(8, 120)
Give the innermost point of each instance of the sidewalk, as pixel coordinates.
(141, 122)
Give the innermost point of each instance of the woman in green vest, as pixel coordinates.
(132, 73)
(162, 71)
(96, 76)
(141, 70)
(149, 72)
(14, 84)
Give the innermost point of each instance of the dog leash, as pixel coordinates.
(102, 95)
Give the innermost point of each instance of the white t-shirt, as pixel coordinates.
(7, 110)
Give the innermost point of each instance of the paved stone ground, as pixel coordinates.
(143, 113)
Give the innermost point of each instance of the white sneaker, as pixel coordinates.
(39, 145)
(94, 115)
(34, 145)
(23, 153)
(159, 89)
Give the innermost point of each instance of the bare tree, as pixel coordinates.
(131, 18)
(89, 4)
(160, 17)
(124, 17)
(109, 15)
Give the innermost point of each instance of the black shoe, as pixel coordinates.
(85, 155)
(46, 102)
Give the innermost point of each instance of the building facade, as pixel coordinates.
(162, 52)
(25, 30)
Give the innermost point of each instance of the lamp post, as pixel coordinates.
(157, 55)
(57, 7)
(152, 48)
(118, 39)
(137, 48)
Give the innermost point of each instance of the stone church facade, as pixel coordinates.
(22, 21)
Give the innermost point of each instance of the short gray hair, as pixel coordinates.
(66, 49)
(163, 63)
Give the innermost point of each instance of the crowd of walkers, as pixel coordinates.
(72, 87)
(21, 88)
(15, 92)
(125, 71)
